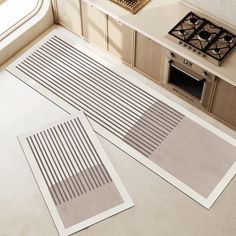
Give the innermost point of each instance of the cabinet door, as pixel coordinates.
(69, 14)
(120, 40)
(148, 56)
(93, 24)
(224, 102)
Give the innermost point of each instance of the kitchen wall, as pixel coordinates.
(223, 9)
(27, 32)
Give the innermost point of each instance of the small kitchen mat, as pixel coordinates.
(75, 176)
(189, 153)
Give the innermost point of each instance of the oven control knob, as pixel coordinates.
(188, 63)
(172, 55)
(204, 74)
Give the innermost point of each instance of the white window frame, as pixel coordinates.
(21, 21)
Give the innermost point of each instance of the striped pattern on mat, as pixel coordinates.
(131, 115)
(68, 161)
(125, 110)
(74, 174)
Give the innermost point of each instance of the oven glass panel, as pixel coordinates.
(186, 82)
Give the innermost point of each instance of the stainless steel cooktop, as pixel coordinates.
(204, 37)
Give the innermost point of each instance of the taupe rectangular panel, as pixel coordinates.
(74, 175)
(139, 120)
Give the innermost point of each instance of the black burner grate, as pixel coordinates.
(204, 37)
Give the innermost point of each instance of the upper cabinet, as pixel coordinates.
(224, 102)
(120, 40)
(148, 56)
(93, 24)
(69, 14)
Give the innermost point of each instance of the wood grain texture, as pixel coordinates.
(120, 39)
(69, 14)
(148, 56)
(93, 24)
(224, 102)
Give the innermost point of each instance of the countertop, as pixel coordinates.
(156, 19)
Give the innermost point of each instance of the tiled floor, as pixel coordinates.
(160, 209)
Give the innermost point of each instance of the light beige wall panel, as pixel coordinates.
(69, 14)
(120, 39)
(93, 24)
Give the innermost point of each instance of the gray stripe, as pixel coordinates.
(65, 158)
(125, 110)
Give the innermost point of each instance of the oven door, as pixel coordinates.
(186, 81)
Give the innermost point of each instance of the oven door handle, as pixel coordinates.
(194, 76)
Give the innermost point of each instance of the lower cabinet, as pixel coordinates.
(224, 102)
(93, 24)
(69, 14)
(148, 56)
(120, 40)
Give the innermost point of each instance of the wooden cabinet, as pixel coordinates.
(120, 40)
(148, 56)
(68, 12)
(93, 24)
(224, 102)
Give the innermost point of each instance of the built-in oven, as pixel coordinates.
(188, 79)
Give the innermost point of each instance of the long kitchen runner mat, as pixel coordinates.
(186, 151)
(74, 174)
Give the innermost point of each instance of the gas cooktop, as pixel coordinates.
(132, 5)
(205, 38)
